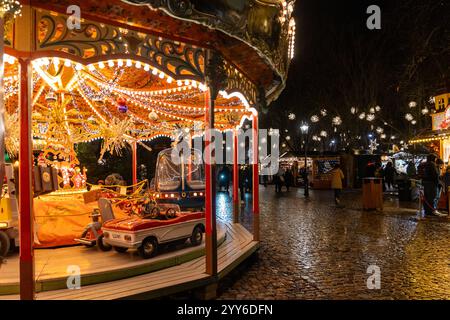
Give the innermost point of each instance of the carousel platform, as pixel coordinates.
(110, 275)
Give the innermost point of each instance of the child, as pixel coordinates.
(336, 182)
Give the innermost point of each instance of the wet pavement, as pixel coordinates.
(312, 250)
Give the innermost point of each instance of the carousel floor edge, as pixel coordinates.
(236, 245)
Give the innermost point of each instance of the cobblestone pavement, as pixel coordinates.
(312, 250)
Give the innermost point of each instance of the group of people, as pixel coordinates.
(283, 178)
(388, 173)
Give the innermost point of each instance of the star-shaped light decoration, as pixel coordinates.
(373, 145)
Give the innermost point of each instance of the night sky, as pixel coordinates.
(340, 63)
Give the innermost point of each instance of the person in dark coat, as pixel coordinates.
(389, 175)
(430, 181)
(288, 178)
(242, 184)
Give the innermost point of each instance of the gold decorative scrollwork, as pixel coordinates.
(93, 39)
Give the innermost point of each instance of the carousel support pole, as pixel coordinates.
(210, 190)
(134, 161)
(255, 176)
(235, 178)
(27, 282)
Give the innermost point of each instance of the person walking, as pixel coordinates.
(430, 181)
(336, 183)
(389, 175)
(288, 178)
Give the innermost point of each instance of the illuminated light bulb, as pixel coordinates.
(110, 63)
(45, 62)
(101, 65)
(67, 63)
(129, 64)
(146, 67)
(179, 83)
(120, 63)
(56, 62)
(78, 67)
(161, 75)
(169, 80)
(186, 82)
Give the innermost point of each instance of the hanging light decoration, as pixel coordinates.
(323, 133)
(353, 110)
(409, 117)
(380, 130)
(372, 110)
(291, 116)
(11, 7)
(288, 138)
(51, 97)
(370, 117)
(383, 136)
(323, 112)
(412, 104)
(153, 115)
(377, 108)
(413, 122)
(337, 121)
(425, 111)
(122, 105)
(362, 116)
(315, 118)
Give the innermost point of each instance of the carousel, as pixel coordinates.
(126, 73)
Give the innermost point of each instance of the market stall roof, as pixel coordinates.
(429, 136)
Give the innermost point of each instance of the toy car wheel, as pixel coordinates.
(171, 213)
(197, 236)
(4, 244)
(154, 213)
(149, 248)
(83, 236)
(120, 249)
(102, 245)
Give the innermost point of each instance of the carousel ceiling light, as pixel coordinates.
(56, 62)
(120, 63)
(129, 63)
(154, 72)
(91, 67)
(377, 108)
(413, 122)
(161, 75)
(146, 67)
(169, 80)
(409, 116)
(101, 65)
(67, 63)
(78, 67)
(110, 63)
(138, 64)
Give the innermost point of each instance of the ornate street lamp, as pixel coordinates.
(305, 128)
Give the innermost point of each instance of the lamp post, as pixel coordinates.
(304, 128)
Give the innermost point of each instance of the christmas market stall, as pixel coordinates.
(125, 73)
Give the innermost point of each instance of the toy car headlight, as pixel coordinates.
(3, 224)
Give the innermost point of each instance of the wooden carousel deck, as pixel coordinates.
(110, 275)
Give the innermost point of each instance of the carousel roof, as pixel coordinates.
(113, 91)
(255, 36)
